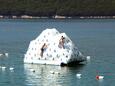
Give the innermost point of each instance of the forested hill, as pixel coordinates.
(50, 8)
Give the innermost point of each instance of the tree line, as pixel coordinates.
(50, 8)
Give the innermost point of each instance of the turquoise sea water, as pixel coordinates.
(93, 37)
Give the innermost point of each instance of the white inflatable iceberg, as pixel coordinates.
(53, 47)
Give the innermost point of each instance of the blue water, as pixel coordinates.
(93, 37)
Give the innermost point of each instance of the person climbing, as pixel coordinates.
(61, 42)
(43, 48)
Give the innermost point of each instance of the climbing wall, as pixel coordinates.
(53, 52)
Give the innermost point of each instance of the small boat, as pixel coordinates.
(54, 48)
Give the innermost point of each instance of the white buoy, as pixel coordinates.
(88, 58)
(57, 72)
(11, 68)
(52, 72)
(1, 54)
(6, 54)
(3, 68)
(78, 76)
(99, 77)
(32, 70)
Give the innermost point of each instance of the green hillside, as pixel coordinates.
(50, 8)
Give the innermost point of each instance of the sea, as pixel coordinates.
(93, 37)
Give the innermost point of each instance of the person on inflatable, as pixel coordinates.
(43, 48)
(61, 42)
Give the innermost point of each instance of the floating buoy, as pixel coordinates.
(3, 68)
(1, 54)
(57, 73)
(78, 76)
(11, 68)
(32, 70)
(99, 77)
(88, 58)
(52, 72)
(6, 54)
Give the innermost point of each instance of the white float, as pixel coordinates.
(6, 54)
(78, 76)
(99, 77)
(32, 70)
(1, 54)
(53, 54)
(3, 68)
(11, 68)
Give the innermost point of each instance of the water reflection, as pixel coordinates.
(40, 75)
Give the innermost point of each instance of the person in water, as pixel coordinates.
(61, 42)
(43, 48)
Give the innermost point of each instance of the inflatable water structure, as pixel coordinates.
(53, 47)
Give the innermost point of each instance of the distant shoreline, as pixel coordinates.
(56, 17)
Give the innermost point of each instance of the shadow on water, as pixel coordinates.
(74, 63)
(78, 66)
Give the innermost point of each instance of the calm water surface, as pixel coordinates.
(93, 37)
